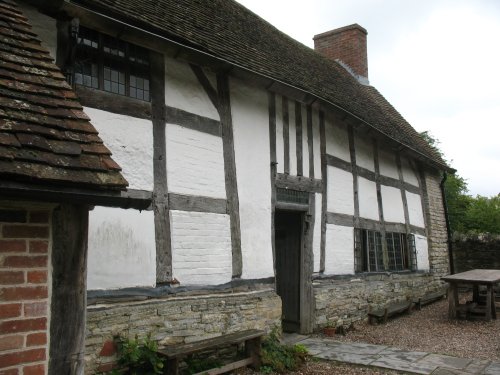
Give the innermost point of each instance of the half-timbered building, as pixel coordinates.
(282, 188)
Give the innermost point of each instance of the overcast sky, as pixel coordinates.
(436, 61)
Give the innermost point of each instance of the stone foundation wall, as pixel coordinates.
(343, 300)
(176, 320)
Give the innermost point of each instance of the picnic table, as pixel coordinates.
(476, 278)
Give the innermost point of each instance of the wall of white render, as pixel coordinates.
(339, 250)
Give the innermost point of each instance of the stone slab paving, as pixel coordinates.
(392, 358)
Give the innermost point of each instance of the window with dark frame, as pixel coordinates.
(400, 251)
(109, 64)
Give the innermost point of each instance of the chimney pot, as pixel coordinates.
(347, 45)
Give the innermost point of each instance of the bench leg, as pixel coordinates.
(385, 315)
(252, 350)
(171, 367)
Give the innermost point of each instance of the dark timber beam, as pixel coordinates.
(205, 83)
(403, 193)
(310, 143)
(160, 191)
(324, 190)
(230, 170)
(352, 152)
(382, 229)
(271, 98)
(192, 121)
(298, 138)
(286, 135)
(194, 203)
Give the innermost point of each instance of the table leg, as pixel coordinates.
(489, 302)
(452, 301)
(475, 293)
(493, 306)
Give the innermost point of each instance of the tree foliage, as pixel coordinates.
(467, 214)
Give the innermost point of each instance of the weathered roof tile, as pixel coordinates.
(45, 137)
(229, 31)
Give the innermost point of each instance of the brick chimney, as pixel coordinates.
(346, 45)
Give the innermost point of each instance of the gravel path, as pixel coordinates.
(430, 330)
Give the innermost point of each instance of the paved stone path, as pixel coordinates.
(392, 358)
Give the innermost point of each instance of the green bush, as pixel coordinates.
(280, 358)
(139, 357)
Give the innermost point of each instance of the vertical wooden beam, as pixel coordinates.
(403, 192)
(310, 142)
(271, 97)
(352, 151)
(230, 170)
(298, 140)
(324, 193)
(160, 188)
(68, 306)
(379, 203)
(307, 301)
(286, 135)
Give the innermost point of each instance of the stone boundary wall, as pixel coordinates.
(176, 320)
(476, 251)
(343, 300)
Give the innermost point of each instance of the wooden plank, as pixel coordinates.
(271, 98)
(229, 367)
(298, 138)
(197, 203)
(68, 300)
(479, 276)
(192, 121)
(207, 86)
(365, 173)
(324, 190)
(307, 301)
(338, 163)
(340, 219)
(114, 103)
(64, 45)
(299, 183)
(160, 191)
(352, 152)
(197, 346)
(382, 228)
(286, 135)
(230, 171)
(310, 143)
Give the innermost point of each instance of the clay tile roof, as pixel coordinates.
(229, 31)
(45, 137)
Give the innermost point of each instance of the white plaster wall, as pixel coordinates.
(44, 27)
(195, 162)
(201, 248)
(392, 204)
(368, 206)
(251, 145)
(316, 145)
(182, 90)
(422, 252)
(121, 249)
(409, 174)
(364, 153)
(292, 138)
(280, 144)
(337, 140)
(339, 250)
(305, 143)
(387, 164)
(130, 139)
(340, 191)
(415, 209)
(317, 233)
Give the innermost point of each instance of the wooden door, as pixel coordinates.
(288, 243)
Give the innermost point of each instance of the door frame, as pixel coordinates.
(306, 294)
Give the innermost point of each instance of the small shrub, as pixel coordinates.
(280, 358)
(139, 357)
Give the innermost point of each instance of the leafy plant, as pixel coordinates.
(139, 356)
(280, 358)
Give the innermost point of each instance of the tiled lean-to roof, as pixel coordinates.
(45, 137)
(229, 31)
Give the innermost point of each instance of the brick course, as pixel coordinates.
(24, 290)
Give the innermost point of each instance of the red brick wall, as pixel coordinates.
(348, 44)
(24, 290)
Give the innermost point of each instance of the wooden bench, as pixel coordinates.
(429, 298)
(251, 338)
(387, 311)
